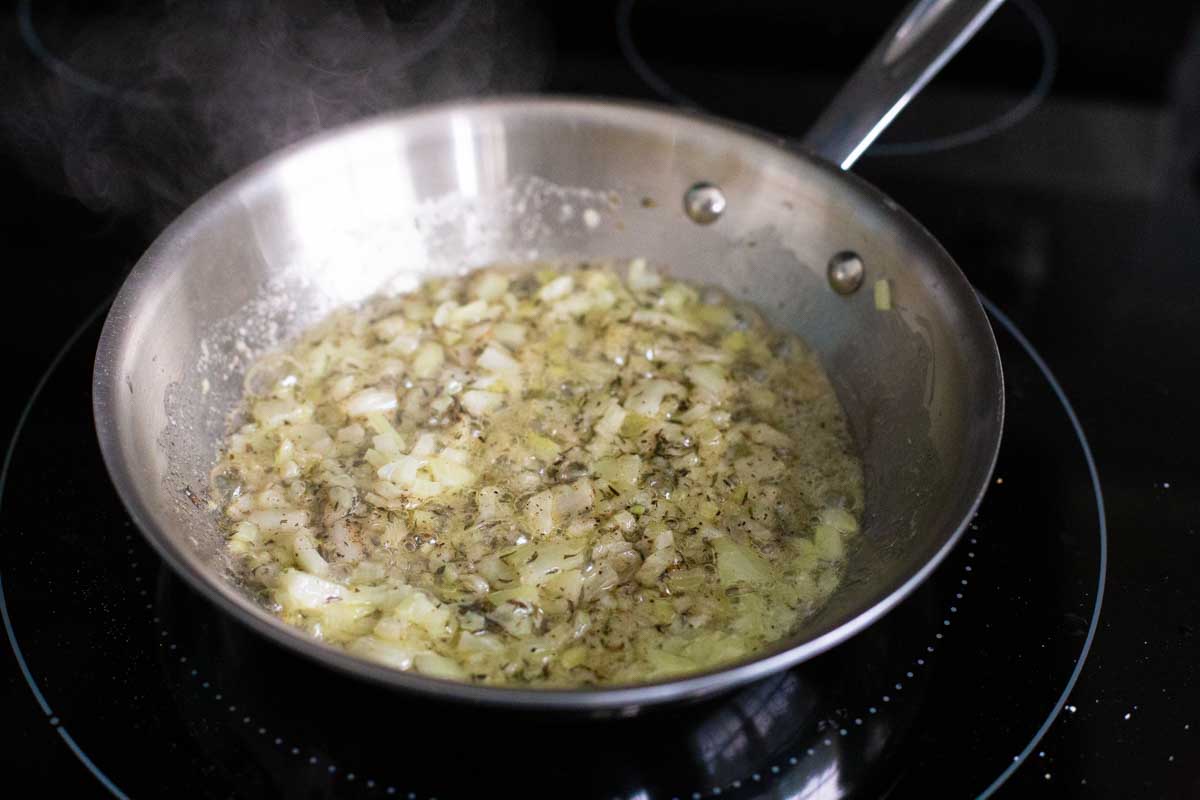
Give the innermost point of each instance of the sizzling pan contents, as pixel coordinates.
(543, 476)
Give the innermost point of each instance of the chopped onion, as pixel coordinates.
(496, 359)
(559, 287)
(883, 295)
(370, 401)
(428, 360)
(549, 478)
(479, 403)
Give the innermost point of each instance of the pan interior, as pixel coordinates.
(384, 204)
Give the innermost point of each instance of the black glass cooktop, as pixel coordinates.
(1057, 158)
(131, 668)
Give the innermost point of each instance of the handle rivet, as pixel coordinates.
(704, 203)
(845, 272)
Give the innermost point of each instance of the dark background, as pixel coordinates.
(1082, 221)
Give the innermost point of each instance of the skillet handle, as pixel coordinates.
(915, 48)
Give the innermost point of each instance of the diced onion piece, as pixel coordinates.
(495, 358)
(272, 497)
(388, 440)
(518, 594)
(543, 447)
(386, 445)
(394, 655)
(490, 286)
(562, 587)
(539, 562)
(245, 532)
(418, 609)
(510, 334)
(698, 412)
(663, 538)
(405, 344)
(307, 556)
(283, 454)
(301, 590)
(473, 313)
(611, 420)
(402, 471)
(573, 498)
(342, 620)
(539, 513)
(655, 565)
(883, 295)
(449, 473)
(479, 403)
(706, 435)
(739, 564)
(342, 387)
(370, 401)
(622, 473)
(441, 315)
(647, 396)
(351, 434)
(425, 488)
(490, 503)
(573, 656)
(635, 425)
(686, 580)
(735, 342)
(678, 296)
(438, 666)
(375, 458)
(391, 327)
(641, 277)
(273, 413)
(664, 664)
(763, 433)
(714, 647)
(720, 316)
(343, 537)
(428, 360)
(426, 445)
(623, 521)
(661, 319)
(559, 287)
(840, 519)
(828, 541)
(710, 379)
(514, 618)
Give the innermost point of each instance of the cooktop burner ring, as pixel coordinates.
(427, 42)
(1102, 524)
(22, 664)
(189, 669)
(1033, 98)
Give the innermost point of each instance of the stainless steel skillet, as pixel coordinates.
(390, 201)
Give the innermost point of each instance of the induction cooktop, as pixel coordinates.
(1030, 664)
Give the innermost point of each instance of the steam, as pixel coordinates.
(142, 112)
